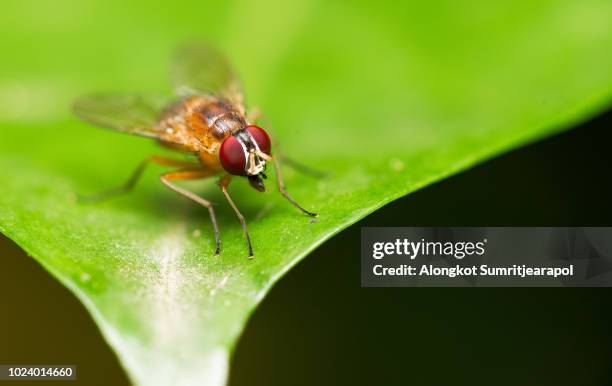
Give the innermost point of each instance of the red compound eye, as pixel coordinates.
(232, 156)
(261, 137)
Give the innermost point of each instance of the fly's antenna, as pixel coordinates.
(254, 162)
(263, 155)
(251, 165)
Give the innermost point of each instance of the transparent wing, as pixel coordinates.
(199, 68)
(135, 114)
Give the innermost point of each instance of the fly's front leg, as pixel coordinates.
(300, 167)
(135, 176)
(253, 116)
(224, 183)
(281, 188)
(194, 174)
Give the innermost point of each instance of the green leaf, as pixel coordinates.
(386, 97)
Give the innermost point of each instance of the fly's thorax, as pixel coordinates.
(210, 159)
(214, 118)
(226, 124)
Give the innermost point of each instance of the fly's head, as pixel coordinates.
(245, 153)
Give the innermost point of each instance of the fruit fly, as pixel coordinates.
(207, 119)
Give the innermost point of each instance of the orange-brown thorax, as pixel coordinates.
(199, 124)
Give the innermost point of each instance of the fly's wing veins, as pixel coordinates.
(134, 114)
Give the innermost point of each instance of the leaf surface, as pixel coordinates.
(385, 97)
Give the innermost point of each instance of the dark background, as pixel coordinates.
(319, 327)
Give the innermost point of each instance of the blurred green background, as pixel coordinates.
(296, 58)
(318, 327)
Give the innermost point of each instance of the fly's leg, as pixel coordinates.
(224, 183)
(281, 188)
(135, 176)
(300, 167)
(253, 116)
(194, 174)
